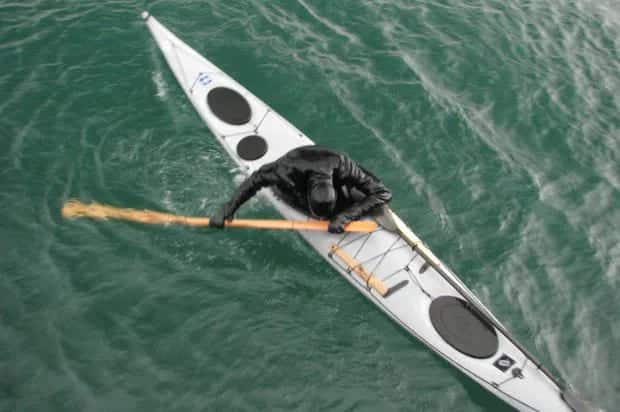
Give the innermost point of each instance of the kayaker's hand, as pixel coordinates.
(217, 221)
(337, 224)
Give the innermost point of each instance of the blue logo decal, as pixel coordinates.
(204, 79)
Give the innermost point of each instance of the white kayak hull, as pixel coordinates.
(510, 373)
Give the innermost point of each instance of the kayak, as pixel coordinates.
(390, 266)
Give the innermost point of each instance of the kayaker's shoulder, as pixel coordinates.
(314, 152)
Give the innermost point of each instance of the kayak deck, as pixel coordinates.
(426, 295)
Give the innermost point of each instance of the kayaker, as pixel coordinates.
(320, 182)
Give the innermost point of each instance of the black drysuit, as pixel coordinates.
(292, 176)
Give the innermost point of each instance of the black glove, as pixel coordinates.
(219, 217)
(337, 224)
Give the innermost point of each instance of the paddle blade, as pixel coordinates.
(74, 209)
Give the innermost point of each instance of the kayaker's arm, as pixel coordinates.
(263, 177)
(376, 192)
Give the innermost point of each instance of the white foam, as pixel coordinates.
(162, 89)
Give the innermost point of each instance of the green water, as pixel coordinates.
(495, 123)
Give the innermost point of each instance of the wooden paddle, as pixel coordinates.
(74, 208)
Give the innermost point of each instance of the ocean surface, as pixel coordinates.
(495, 123)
